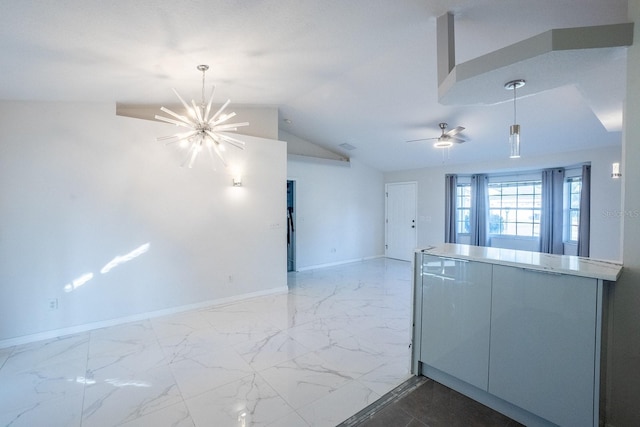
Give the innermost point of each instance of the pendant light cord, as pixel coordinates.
(515, 121)
(203, 71)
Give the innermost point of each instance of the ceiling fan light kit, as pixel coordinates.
(514, 129)
(446, 139)
(203, 129)
(442, 143)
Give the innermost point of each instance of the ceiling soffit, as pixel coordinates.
(548, 61)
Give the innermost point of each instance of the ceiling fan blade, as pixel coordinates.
(457, 140)
(421, 139)
(454, 131)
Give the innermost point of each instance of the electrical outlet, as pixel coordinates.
(53, 304)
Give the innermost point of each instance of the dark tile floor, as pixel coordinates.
(423, 402)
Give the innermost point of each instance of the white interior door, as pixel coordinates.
(401, 227)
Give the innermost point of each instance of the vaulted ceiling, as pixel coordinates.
(361, 72)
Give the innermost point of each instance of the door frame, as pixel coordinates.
(291, 246)
(386, 213)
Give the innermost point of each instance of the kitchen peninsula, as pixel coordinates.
(522, 332)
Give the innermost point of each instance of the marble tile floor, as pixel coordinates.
(335, 343)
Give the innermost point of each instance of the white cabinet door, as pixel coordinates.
(543, 330)
(456, 304)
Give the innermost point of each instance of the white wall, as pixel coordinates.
(80, 186)
(339, 212)
(605, 194)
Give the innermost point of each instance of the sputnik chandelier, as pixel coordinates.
(203, 130)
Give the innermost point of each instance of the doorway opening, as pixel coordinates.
(291, 228)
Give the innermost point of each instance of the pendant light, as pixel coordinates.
(514, 129)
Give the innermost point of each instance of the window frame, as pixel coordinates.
(459, 209)
(534, 207)
(571, 210)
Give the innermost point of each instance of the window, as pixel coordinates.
(514, 208)
(573, 186)
(463, 208)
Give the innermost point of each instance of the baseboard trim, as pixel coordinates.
(333, 264)
(26, 339)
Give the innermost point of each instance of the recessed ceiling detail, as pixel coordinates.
(548, 60)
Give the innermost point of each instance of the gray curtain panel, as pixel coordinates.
(450, 183)
(479, 208)
(585, 212)
(551, 212)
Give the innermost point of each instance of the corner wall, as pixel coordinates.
(82, 189)
(339, 212)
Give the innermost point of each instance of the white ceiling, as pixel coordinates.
(361, 72)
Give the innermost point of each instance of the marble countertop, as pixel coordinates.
(563, 264)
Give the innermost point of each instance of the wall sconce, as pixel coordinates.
(237, 181)
(615, 170)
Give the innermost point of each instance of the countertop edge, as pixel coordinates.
(547, 263)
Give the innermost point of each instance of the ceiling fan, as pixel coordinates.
(446, 139)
